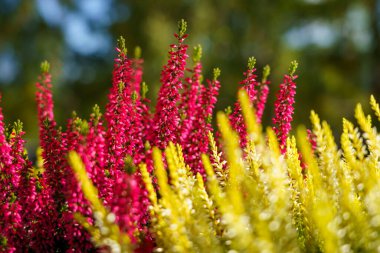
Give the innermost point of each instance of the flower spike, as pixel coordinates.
(121, 45)
(284, 107)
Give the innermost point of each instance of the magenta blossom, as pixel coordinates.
(284, 107)
(167, 119)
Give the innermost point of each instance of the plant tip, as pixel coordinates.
(197, 53)
(293, 67)
(266, 73)
(45, 66)
(251, 62)
(144, 90)
(17, 126)
(121, 45)
(216, 73)
(182, 26)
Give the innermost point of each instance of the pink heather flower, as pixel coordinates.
(24, 193)
(58, 180)
(261, 100)
(262, 95)
(140, 101)
(127, 117)
(209, 97)
(44, 96)
(129, 204)
(284, 107)
(21, 207)
(50, 138)
(129, 123)
(89, 142)
(20, 160)
(197, 141)
(118, 117)
(189, 102)
(138, 90)
(137, 72)
(34, 198)
(125, 203)
(94, 154)
(76, 236)
(250, 85)
(167, 119)
(53, 147)
(122, 71)
(257, 93)
(40, 217)
(22, 190)
(10, 209)
(5, 153)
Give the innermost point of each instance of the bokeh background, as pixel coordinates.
(337, 43)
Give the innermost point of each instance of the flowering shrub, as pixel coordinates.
(140, 181)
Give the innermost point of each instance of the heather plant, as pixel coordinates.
(136, 180)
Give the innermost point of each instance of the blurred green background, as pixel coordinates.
(337, 43)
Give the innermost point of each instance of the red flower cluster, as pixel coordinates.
(37, 205)
(167, 117)
(257, 93)
(284, 107)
